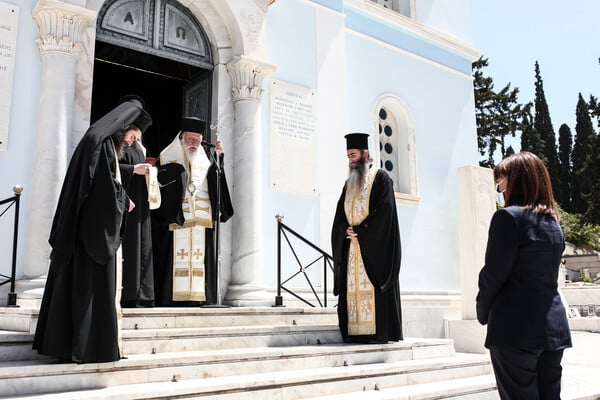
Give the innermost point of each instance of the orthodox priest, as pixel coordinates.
(138, 270)
(194, 196)
(79, 314)
(365, 242)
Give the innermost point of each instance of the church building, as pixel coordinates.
(280, 83)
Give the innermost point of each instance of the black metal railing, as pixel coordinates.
(9, 202)
(283, 231)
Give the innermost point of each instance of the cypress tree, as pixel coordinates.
(592, 214)
(594, 107)
(581, 157)
(565, 144)
(543, 125)
(530, 138)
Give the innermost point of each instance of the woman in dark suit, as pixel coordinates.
(518, 299)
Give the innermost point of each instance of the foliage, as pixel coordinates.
(498, 115)
(582, 157)
(562, 191)
(543, 125)
(578, 232)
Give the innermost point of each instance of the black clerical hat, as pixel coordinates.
(143, 121)
(359, 141)
(193, 124)
(133, 98)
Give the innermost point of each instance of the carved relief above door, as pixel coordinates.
(160, 27)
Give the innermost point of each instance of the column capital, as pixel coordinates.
(62, 26)
(264, 4)
(247, 77)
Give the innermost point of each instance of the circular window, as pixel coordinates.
(388, 130)
(389, 166)
(382, 114)
(389, 148)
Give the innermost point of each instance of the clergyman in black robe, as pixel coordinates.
(366, 250)
(138, 270)
(183, 230)
(78, 318)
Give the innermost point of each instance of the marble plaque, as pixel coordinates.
(293, 150)
(9, 23)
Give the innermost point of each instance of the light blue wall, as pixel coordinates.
(15, 167)
(435, 83)
(291, 47)
(440, 102)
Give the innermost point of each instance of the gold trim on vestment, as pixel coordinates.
(360, 293)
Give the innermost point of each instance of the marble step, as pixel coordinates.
(17, 345)
(142, 318)
(151, 341)
(25, 319)
(278, 384)
(481, 387)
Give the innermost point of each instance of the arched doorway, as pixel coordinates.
(158, 50)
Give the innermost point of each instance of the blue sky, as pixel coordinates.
(563, 36)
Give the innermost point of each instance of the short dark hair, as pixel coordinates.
(528, 183)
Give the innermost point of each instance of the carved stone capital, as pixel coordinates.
(247, 77)
(264, 4)
(62, 26)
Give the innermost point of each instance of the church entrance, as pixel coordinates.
(155, 49)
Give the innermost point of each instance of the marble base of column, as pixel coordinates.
(248, 296)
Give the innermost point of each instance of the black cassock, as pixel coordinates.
(78, 317)
(173, 180)
(138, 271)
(379, 239)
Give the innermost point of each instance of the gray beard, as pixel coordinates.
(357, 176)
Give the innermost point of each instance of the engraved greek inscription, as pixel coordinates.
(180, 33)
(129, 18)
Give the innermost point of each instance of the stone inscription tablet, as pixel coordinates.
(9, 21)
(293, 150)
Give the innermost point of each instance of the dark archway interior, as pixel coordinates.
(160, 82)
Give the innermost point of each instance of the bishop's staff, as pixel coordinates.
(215, 152)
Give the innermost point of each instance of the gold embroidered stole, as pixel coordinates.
(360, 300)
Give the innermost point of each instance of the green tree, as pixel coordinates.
(543, 125)
(497, 114)
(581, 157)
(530, 137)
(565, 144)
(594, 109)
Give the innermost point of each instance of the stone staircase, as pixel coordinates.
(241, 353)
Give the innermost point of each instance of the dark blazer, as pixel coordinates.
(518, 291)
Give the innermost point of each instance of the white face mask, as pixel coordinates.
(500, 198)
(499, 195)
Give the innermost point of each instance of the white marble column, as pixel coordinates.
(477, 203)
(246, 287)
(61, 28)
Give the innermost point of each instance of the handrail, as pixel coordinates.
(13, 200)
(327, 262)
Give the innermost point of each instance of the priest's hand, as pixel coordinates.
(141, 169)
(219, 147)
(131, 205)
(350, 234)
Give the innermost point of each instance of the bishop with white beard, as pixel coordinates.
(185, 256)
